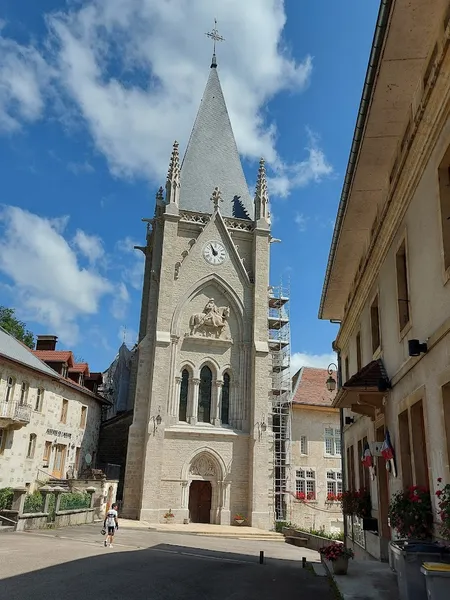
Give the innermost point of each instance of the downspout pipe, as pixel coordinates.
(343, 457)
(366, 99)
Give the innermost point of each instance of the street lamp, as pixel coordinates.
(331, 381)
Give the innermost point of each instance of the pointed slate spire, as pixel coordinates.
(261, 195)
(173, 177)
(212, 159)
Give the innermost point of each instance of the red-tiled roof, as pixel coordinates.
(80, 368)
(309, 387)
(55, 356)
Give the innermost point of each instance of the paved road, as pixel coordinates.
(71, 563)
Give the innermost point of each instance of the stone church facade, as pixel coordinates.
(201, 441)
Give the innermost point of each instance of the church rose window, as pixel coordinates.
(204, 402)
(184, 388)
(226, 399)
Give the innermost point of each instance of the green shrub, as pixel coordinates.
(6, 498)
(279, 525)
(34, 503)
(322, 533)
(74, 501)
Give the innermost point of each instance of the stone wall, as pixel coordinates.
(311, 421)
(16, 467)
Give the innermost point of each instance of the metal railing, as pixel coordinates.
(15, 411)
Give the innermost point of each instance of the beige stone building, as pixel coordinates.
(387, 279)
(50, 413)
(316, 472)
(201, 441)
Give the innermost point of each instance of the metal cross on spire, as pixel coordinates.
(214, 35)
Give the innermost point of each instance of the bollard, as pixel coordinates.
(261, 557)
(303, 562)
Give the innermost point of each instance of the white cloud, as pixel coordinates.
(24, 75)
(301, 221)
(49, 284)
(303, 359)
(78, 168)
(120, 302)
(300, 174)
(91, 246)
(134, 272)
(133, 72)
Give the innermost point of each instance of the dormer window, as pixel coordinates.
(64, 371)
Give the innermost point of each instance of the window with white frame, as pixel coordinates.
(303, 444)
(334, 485)
(24, 392)
(332, 441)
(9, 389)
(39, 400)
(31, 445)
(305, 484)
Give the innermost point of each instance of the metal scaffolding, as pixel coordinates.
(279, 344)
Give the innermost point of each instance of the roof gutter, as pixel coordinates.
(369, 84)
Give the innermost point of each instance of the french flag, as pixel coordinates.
(387, 450)
(367, 459)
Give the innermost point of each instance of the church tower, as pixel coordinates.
(201, 442)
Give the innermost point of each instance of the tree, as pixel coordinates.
(16, 328)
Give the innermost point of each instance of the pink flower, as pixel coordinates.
(439, 479)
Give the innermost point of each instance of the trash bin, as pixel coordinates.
(437, 579)
(408, 558)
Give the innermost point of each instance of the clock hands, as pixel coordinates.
(213, 251)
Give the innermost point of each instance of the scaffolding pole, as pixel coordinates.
(280, 395)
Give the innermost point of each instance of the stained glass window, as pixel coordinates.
(204, 399)
(226, 399)
(184, 389)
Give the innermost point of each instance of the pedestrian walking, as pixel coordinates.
(111, 524)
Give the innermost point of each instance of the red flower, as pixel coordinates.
(439, 493)
(439, 479)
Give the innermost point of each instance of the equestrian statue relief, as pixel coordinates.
(212, 320)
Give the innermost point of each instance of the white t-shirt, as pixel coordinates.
(111, 517)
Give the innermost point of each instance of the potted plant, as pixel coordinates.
(239, 518)
(338, 555)
(410, 513)
(443, 495)
(169, 516)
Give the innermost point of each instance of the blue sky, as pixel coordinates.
(93, 94)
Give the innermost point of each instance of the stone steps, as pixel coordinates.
(7, 528)
(246, 536)
(296, 541)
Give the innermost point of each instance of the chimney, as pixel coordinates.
(46, 342)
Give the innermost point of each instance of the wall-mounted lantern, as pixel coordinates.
(331, 381)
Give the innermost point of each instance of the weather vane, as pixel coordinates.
(214, 35)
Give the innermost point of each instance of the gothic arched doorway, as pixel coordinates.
(204, 495)
(200, 499)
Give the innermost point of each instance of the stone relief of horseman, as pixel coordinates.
(212, 320)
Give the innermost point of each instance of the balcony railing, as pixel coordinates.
(14, 411)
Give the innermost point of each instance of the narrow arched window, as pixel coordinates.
(184, 389)
(204, 400)
(226, 400)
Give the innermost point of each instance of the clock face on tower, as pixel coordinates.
(214, 253)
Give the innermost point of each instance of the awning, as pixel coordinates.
(364, 392)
